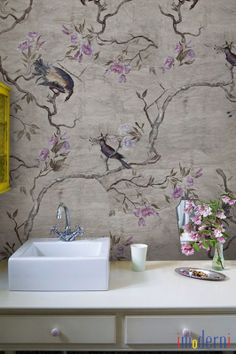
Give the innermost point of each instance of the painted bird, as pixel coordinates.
(111, 153)
(55, 78)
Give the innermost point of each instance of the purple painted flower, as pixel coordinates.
(53, 140)
(141, 222)
(168, 63)
(144, 212)
(117, 68)
(177, 192)
(178, 47)
(87, 49)
(121, 69)
(43, 155)
(65, 147)
(122, 78)
(190, 54)
(24, 45)
(125, 128)
(74, 38)
(148, 211)
(190, 181)
(33, 35)
(187, 249)
(78, 56)
(128, 142)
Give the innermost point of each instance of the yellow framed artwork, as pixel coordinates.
(4, 137)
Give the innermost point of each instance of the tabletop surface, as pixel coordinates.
(159, 287)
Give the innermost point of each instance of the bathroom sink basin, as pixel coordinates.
(48, 264)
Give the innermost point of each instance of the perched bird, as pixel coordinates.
(55, 78)
(111, 153)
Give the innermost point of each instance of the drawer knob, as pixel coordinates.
(55, 332)
(186, 332)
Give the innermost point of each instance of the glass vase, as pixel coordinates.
(218, 259)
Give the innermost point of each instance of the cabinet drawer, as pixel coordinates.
(58, 329)
(167, 329)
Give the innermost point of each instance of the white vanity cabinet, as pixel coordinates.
(153, 310)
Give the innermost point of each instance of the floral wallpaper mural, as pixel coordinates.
(119, 108)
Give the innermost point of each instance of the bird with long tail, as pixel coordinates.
(58, 80)
(111, 153)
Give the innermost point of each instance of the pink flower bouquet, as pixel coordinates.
(206, 223)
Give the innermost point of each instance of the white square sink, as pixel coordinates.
(48, 264)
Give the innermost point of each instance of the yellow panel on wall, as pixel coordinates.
(4, 137)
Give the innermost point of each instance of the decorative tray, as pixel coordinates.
(202, 274)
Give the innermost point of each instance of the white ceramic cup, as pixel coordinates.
(138, 256)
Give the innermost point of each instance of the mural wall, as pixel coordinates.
(119, 108)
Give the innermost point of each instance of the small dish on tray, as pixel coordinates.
(199, 273)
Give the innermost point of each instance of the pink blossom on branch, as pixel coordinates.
(168, 63)
(121, 69)
(143, 212)
(87, 49)
(177, 192)
(24, 45)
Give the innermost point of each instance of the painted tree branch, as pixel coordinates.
(22, 163)
(16, 226)
(221, 173)
(161, 113)
(133, 38)
(150, 182)
(178, 20)
(19, 19)
(103, 21)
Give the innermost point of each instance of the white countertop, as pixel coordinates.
(158, 288)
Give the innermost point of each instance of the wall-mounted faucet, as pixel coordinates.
(67, 234)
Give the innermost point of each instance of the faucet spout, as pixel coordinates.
(67, 234)
(62, 207)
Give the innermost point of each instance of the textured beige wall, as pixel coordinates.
(132, 64)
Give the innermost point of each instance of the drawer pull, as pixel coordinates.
(186, 332)
(55, 332)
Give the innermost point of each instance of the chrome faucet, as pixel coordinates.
(67, 234)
